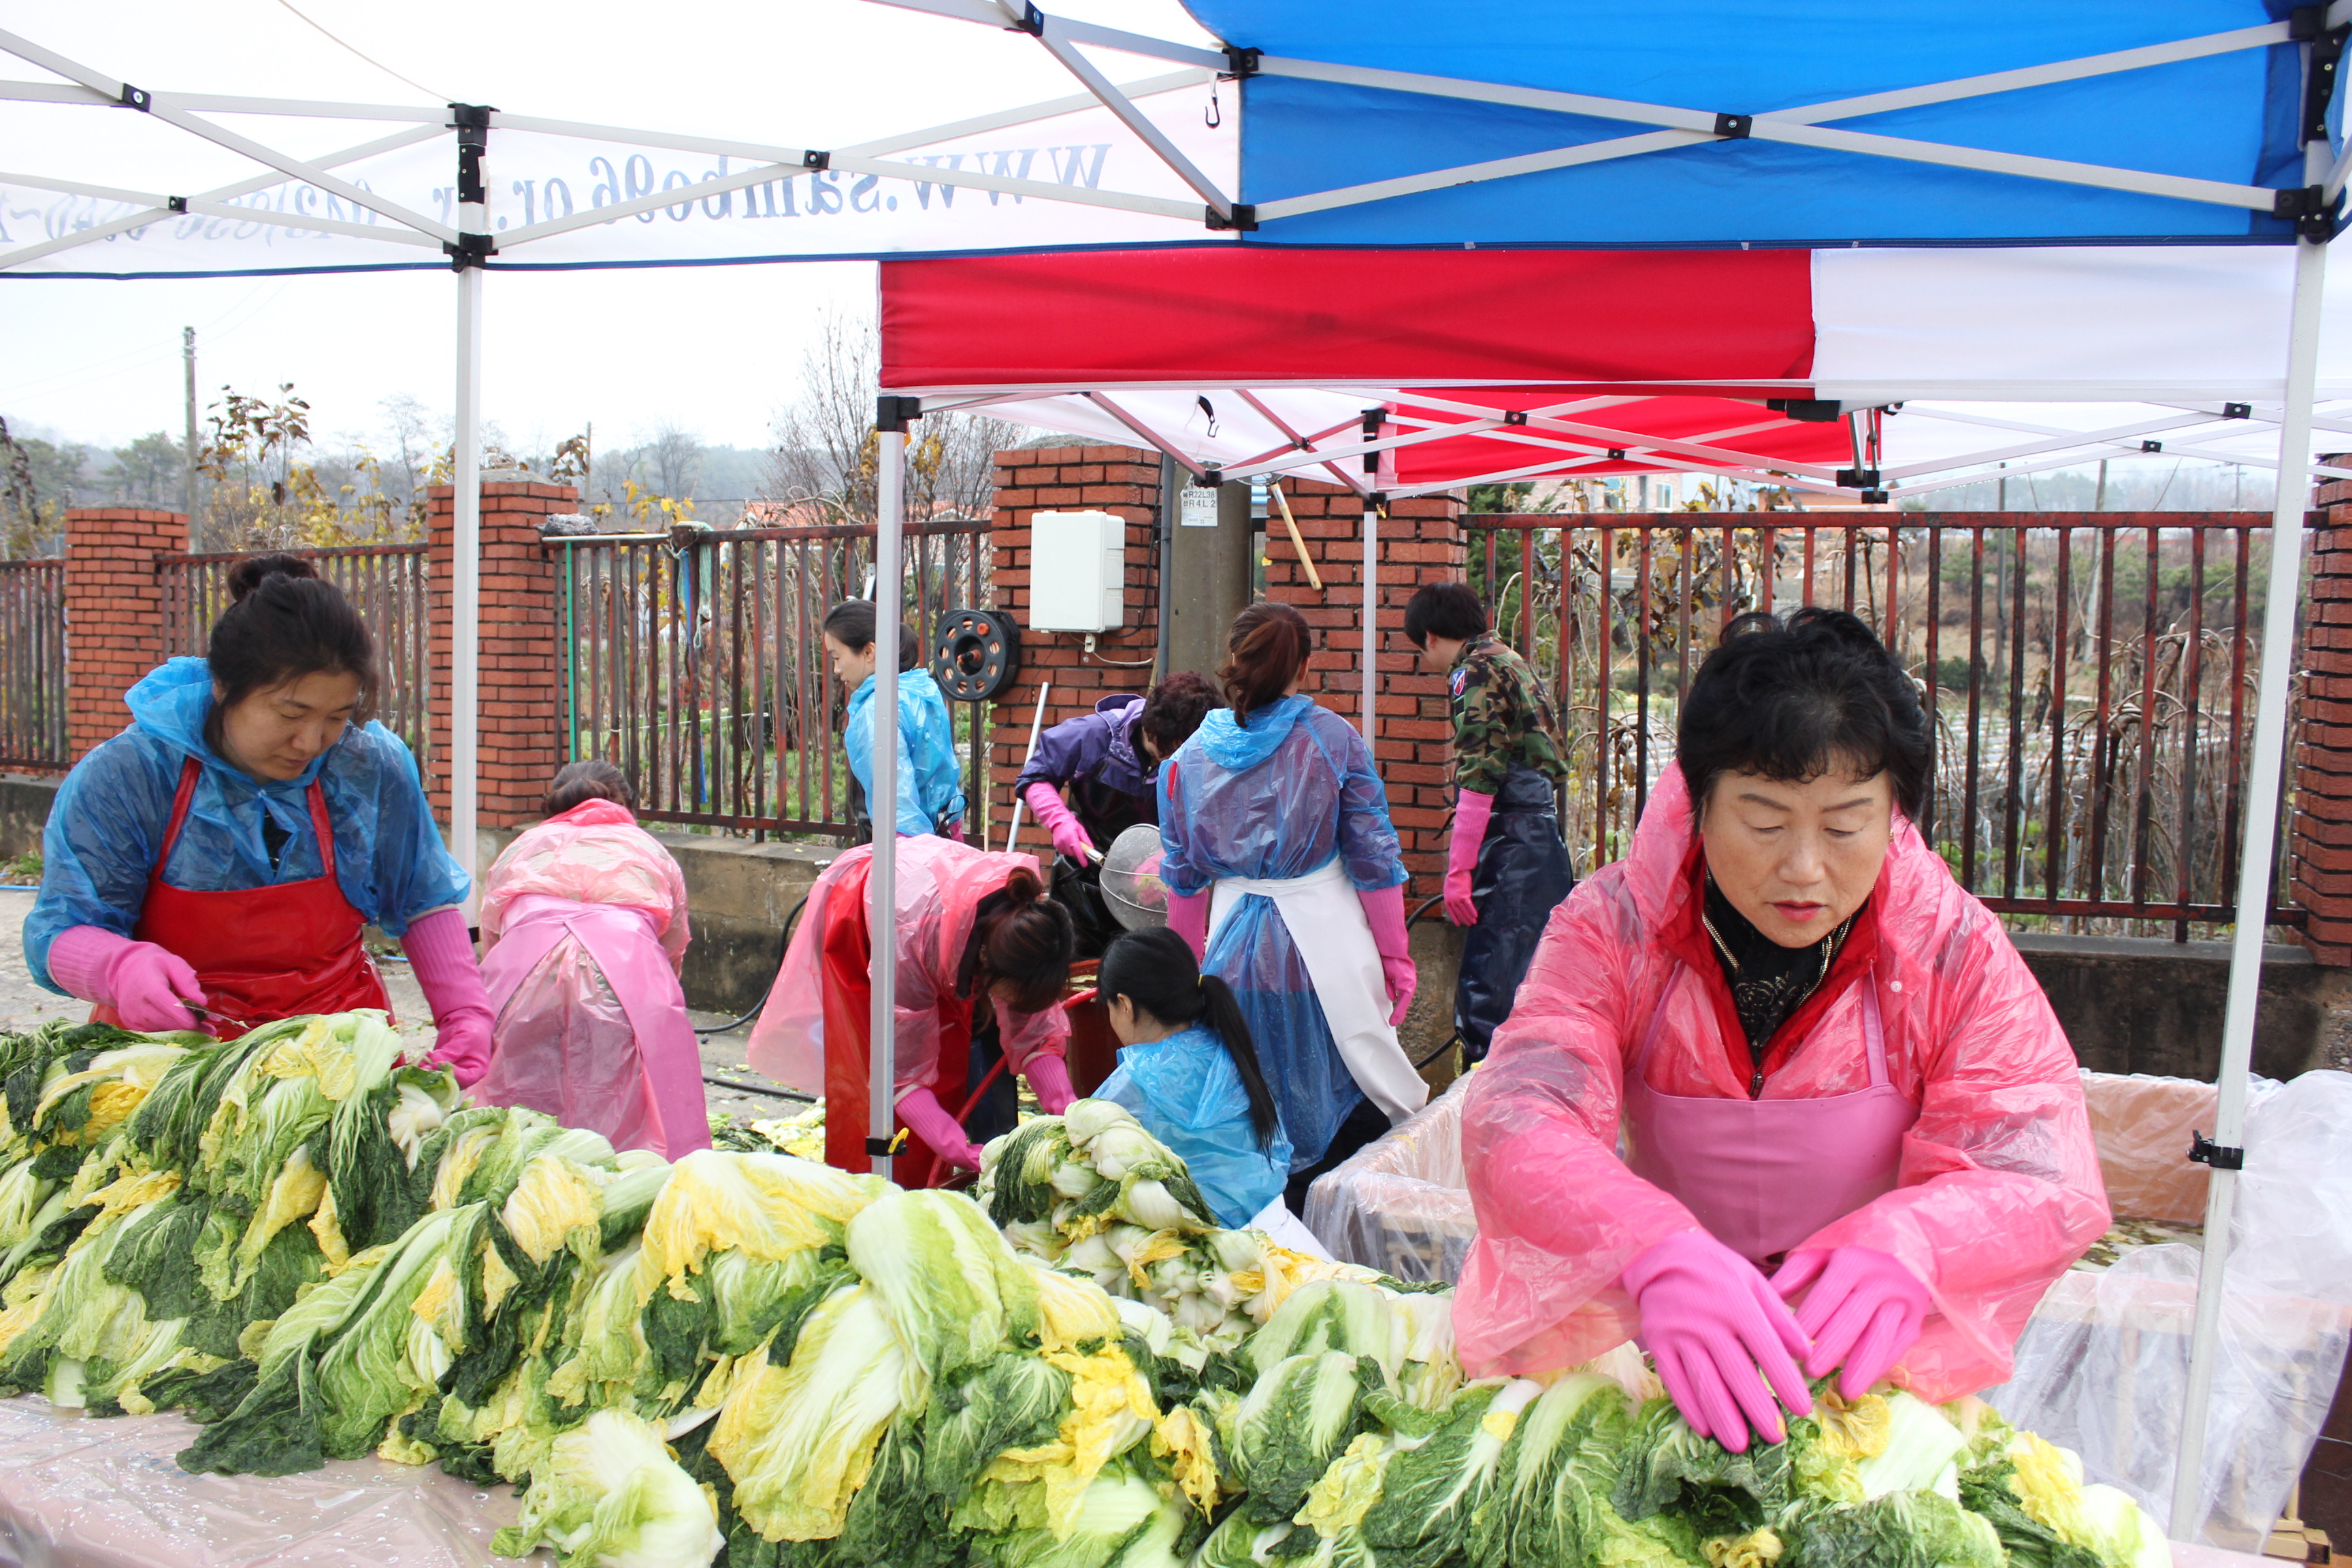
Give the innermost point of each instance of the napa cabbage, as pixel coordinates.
(609, 1495)
(955, 1289)
(1910, 1529)
(1299, 1415)
(798, 1439)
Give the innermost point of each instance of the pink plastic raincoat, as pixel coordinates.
(941, 884)
(584, 926)
(1998, 1188)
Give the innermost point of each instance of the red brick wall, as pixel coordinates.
(2320, 835)
(521, 713)
(1124, 482)
(115, 612)
(1421, 540)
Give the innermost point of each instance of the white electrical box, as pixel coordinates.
(1077, 571)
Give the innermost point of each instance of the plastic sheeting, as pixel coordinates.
(2103, 1364)
(81, 1492)
(2103, 1367)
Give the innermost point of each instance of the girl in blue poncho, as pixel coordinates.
(1188, 1073)
(1281, 869)
(931, 794)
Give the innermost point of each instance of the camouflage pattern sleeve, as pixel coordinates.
(1502, 719)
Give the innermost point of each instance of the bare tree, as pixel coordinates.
(672, 460)
(826, 448)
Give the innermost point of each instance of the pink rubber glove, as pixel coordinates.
(1864, 1310)
(1049, 1075)
(1710, 1321)
(928, 1120)
(1188, 917)
(441, 956)
(148, 986)
(1384, 908)
(1045, 803)
(1471, 811)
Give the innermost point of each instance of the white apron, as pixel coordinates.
(1327, 924)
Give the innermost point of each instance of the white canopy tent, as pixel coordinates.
(2033, 232)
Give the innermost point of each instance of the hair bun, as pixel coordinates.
(255, 570)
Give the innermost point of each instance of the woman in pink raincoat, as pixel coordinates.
(1854, 1136)
(972, 930)
(584, 928)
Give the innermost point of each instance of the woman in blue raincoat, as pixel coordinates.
(1189, 1072)
(930, 788)
(1283, 871)
(215, 865)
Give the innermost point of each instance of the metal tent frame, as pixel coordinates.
(1572, 435)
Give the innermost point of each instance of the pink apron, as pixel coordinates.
(1763, 1175)
(592, 1026)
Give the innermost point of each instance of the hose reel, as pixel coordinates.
(977, 654)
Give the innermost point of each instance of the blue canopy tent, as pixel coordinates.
(2196, 139)
(1632, 124)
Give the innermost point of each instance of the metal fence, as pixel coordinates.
(387, 581)
(696, 662)
(33, 665)
(2090, 677)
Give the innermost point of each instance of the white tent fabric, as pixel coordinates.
(2184, 332)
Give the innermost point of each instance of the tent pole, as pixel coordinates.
(1372, 418)
(466, 584)
(882, 805)
(2255, 867)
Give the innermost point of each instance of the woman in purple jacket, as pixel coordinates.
(1106, 760)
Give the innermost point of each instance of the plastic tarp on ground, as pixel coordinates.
(2103, 1364)
(82, 1493)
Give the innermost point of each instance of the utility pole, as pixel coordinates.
(188, 470)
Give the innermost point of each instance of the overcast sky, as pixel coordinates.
(712, 349)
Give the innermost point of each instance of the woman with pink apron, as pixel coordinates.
(1777, 1098)
(584, 931)
(215, 866)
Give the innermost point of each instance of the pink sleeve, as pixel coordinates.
(2000, 1189)
(1025, 1035)
(1559, 1216)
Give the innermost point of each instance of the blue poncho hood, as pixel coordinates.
(172, 702)
(1235, 744)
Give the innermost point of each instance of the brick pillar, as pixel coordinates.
(522, 694)
(1421, 540)
(115, 612)
(2320, 844)
(1124, 482)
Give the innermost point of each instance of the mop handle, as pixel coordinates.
(1036, 725)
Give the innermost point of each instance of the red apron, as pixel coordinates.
(262, 953)
(1762, 1175)
(848, 969)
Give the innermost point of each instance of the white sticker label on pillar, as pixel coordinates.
(1199, 509)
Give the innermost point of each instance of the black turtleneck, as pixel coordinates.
(1769, 983)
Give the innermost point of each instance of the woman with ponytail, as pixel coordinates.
(1189, 1073)
(214, 865)
(1283, 870)
(971, 928)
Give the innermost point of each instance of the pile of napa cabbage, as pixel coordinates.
(318, 1252)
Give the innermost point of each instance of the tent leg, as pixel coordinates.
(466, 589)
(2254, 868)
(882, 805)
(1372, 613)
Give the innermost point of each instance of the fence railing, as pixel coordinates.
(33, 665)
(387, 583)
(696, 662)
(2090, 677)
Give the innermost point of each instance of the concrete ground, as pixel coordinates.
(24, 1006)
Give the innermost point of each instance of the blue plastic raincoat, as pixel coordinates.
(1278, 797)
(1187, 1093)
(929, 783)
(110, 815)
